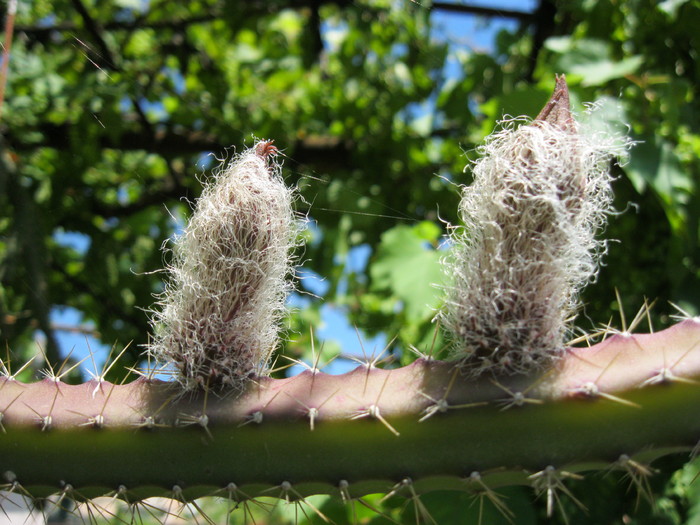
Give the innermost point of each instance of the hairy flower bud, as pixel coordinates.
(540, 194)
(221, 309)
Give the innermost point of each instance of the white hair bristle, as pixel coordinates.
(528, 246)
(221, 309)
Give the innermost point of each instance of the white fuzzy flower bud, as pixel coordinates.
(221, 309)
(540, 194)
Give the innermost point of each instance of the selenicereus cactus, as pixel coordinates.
(536, 417)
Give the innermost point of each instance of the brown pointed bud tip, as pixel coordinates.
(266, 149)
(558, 110)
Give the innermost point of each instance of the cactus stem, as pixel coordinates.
(640, 391)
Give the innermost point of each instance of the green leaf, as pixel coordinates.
(671, 7)
(423, 125)
(247, 53)
(526, 101)
(136, 5)
(600, 72)
(690, 475)
(407, 265)
(655, 163)
(171, 104)
(590, 59)
(608, 115)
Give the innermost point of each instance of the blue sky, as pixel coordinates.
(464, 33)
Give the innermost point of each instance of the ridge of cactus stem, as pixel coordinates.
(630, 394)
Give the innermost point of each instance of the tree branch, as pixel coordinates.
(42, 33)
(95, 30)
(170, 143)
(9, 30)
(157, 197)
(165, 142)
(544, 22)
(31, 248)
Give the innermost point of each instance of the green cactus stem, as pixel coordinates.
(372, 428)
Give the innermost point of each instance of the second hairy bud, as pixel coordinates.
(540, 194)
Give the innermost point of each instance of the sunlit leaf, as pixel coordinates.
(408, 265)
(591, 60)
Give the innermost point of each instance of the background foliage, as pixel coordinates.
(115, 108)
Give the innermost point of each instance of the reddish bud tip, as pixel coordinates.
(558, 110)
(266, 149)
